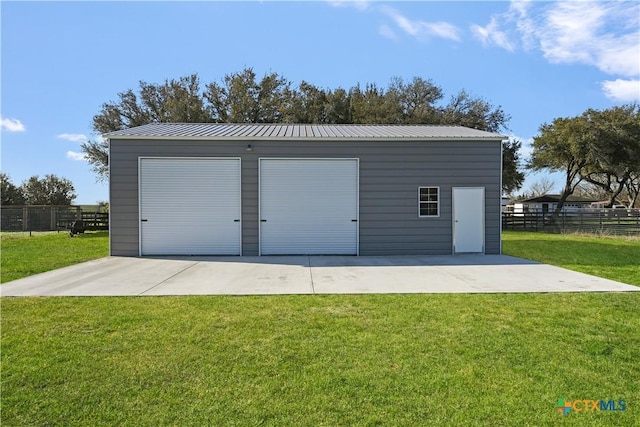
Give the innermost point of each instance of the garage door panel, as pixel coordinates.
(308, 206)
(190, 206)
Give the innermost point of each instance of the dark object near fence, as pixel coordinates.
(90, 221)
(586, 220)
(77, 227)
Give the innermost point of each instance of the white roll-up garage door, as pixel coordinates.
(189, 206)
(309, 206)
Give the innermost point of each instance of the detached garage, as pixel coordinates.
(233, 189)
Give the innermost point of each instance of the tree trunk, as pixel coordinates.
(566, 192)
(613, 197)
(569, 188)
(614, 185)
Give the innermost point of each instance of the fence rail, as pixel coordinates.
(95, 220)
(607, 221)
(49, 218)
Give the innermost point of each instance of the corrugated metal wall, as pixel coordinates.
(390, 174)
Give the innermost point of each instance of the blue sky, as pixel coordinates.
(538, 60)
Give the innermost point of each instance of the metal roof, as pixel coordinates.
(298, 131)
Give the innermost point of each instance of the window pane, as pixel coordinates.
(428, 209)
(428, 201)
(428, 194)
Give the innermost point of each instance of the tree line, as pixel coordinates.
(49, 190)
(600, 148)
(243, 97)
(598, 151)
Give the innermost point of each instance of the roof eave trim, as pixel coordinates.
(325, 138)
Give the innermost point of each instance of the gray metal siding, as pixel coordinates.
(390, 174)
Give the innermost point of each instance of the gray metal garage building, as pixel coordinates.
(269, 189)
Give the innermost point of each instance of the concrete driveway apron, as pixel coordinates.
(273, 275)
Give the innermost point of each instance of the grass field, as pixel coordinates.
(319, 360)
(616, 258)
(450, 360)
(24, 255)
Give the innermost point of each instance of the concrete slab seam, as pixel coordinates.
(168, 278)
(452, 274)
(313, 288)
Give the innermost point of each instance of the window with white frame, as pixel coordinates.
(428, 201)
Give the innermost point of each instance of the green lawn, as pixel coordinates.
(23, 255)
(502, 359)
(315, 360)
(609, 257)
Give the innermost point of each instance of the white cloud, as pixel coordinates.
(492, 35)
(443, 29)
(506, 29)
(605, 35)
(75, 156)
(602, 34)
(620, 56)
(422, 29)
(525, 25)
(73, 137)
(410, 27)
(12, 125)
(385, 31)
(358, 4)
(622, 90)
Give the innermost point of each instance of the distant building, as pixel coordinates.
(603, 204)
(548, 203)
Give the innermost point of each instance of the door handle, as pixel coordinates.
(144, 220)
(263, 220)
(236, 220)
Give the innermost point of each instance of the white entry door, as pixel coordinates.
(308, 206)
(468, 220)
(189, 206)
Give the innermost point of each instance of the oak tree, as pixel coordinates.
(50, 190)
(243, 97)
